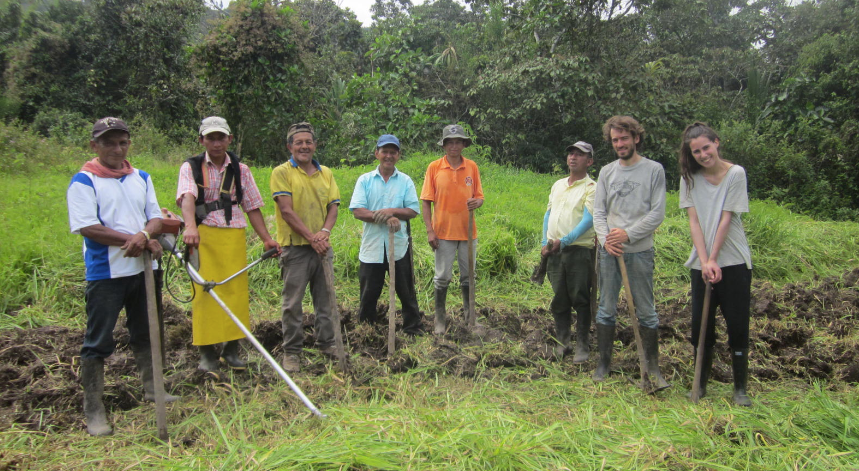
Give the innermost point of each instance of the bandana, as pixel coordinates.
(96, 168)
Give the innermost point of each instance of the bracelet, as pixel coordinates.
(146, 234)
(326, 230)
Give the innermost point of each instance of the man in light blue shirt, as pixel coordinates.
(382, 199)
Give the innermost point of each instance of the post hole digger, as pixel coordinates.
(168, 241)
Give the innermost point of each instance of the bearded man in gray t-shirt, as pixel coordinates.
(628, 207)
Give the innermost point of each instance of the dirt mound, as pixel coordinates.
(799, 331)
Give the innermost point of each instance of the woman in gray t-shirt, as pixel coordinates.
(713, 191)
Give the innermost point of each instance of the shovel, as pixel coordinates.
(646, 384)
(471, 317)
(335, 312)
(392, 307)
(155, 346)
(702, 335)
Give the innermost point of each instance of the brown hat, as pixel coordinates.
(296, 128)
(108, 124)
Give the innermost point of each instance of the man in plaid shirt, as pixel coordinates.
(219, 236)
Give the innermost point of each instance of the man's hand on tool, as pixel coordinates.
(614, 241)
(134, 245)
(155, 248)
(474, 203)
(191, 236)
(551, 247)
(382, 216)
(271, 244)
(394, 225)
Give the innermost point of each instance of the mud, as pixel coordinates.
(806, 331)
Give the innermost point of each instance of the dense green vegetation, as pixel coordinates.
(533, 415)
(777, 77)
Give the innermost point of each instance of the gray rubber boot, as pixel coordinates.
(740, 365)
(440, 312)
(562, 333)
(650, 339)
(92, 380)
(143, 358)
(605, 345)
(706, 368)
(230, 354)
(583, 327)
(208, 359)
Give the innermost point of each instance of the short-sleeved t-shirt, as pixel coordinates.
(251, 197)
(372, 192)
(449, 189)
(122, 204)
(567, 204)
(311, 196)
(709, 201)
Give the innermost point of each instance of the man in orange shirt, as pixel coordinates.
(451, 188)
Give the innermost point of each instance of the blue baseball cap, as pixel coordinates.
(386, 139)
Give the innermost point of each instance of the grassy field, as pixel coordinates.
(528, 415)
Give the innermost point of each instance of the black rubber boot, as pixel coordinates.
(465, 293)
(740, 365)
(208, 359)
(230, 354)
(650, 339)
(440, 312)
(583, 328)
(92, 380)
(605, 345)
(143, 358)
(706, 367)
(562, 335)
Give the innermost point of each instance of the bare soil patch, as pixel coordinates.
(805, 331)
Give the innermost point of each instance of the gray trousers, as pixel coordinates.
(300, 265)
(444, 255)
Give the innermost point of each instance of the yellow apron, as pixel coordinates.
(223, 252)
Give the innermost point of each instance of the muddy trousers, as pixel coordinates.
(301, 266)
(733, 294)
(569, 273)
(371, 277)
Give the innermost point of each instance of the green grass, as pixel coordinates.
(535, 416)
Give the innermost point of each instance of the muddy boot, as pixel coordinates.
(605, 344)
(562, 334)
(706, 367)
(650, 341)
(208, 359)
(143, 358)
(230, 354)
(291, 363)
(583, 327)
(440, 313)
(465, 312)
(740, 365)
(92, 380)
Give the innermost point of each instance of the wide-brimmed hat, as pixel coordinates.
(453, 131)
(582, 146)
(108, 124)
(214, 124)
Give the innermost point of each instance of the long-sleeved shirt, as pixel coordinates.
(630, 198)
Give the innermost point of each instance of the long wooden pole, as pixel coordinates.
(335, 311)
(702, 337)
(471, 317)
(392, 306)
(155, 346)
(646, 385)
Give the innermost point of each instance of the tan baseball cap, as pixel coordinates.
(214, 124)
(582, 146)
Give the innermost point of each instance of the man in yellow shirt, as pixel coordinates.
(307, 199)
(568, 224)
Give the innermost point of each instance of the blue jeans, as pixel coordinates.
(639, 267)
(104, 300)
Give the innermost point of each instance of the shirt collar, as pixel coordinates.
(376, 172)
(226, 159)
(446, 164)
(295, 164)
